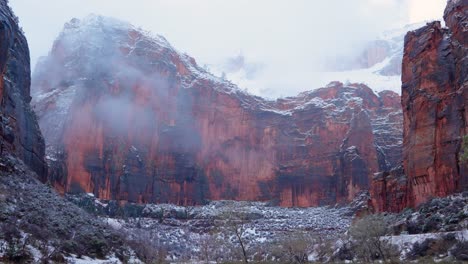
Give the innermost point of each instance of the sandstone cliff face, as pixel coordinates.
(434, 99)
(127, 117)
(19, 131)
(389, 190)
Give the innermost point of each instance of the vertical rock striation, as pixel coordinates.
(434, 99)
(127, 117)
(19, 131)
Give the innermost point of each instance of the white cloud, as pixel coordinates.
(290, 39)
(421, 10)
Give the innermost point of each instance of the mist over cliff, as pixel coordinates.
(128, 117)
(123, 149)
(288, 44)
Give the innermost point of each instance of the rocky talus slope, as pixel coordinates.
(38, 225)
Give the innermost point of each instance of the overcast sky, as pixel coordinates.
(290, 37)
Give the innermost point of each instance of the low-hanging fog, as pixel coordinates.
(281, 46)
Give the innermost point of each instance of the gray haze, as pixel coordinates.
(285, 42)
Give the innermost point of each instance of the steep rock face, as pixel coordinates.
(19, 131)
(434, 99)
(389, 190)
(127, 117)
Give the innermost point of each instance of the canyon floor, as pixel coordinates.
(39, 226)
(211, 232)
(184, 232)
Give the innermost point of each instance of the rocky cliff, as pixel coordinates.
(127, 117)
(434, 99)
(37, 225)
(19, 131)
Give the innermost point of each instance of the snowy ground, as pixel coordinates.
(181, 230)
(406, 242)
(184, 234)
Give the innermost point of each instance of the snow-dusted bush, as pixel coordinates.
(368, 241)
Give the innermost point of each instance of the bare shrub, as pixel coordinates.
(148, 248)
(324, 249)
(212, 248)
(344, 251)
(235, 223)
(295, 247)
(368, 241)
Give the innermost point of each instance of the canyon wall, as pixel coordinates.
(19, 130)
(127, 117)
(434, 100)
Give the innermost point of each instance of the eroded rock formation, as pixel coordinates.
(127, 117)
(434, 99)
(19, 131)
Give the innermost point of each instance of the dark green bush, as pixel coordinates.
(420, 249)
(414, 227)
(432, 223)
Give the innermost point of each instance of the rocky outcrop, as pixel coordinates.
(126, 117)
(389, 190)
(434, 99)
(37, 224)
(434, 95)
(19, 131)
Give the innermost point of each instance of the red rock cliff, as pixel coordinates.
(19, 131)
(434, 99)
(127, 117)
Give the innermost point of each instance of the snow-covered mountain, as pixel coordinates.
(377, 64)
